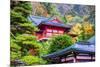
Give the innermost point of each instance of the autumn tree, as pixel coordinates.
(69, 18)
(76, 29)
(88, 29)
(83, 30)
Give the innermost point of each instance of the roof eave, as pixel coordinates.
(68, 27)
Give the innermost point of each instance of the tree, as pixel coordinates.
(69, 18)
(51, 8)
(38, 9)
(22, 41)
(60, 42)
(44, 50)
(19, 22)
(83, 30)
(76, 29)
(88, 29)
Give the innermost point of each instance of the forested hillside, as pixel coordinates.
(64, 10)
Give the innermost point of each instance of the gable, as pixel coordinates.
(55, 20)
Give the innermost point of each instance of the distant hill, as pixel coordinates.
(60, 9)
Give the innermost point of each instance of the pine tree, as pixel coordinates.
(22, 40)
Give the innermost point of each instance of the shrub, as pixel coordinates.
(60, 42)
(33, 60)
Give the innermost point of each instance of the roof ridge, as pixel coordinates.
(38, 16)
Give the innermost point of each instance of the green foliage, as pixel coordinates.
(44, 50)
(77, 19)
(83, 37)
(27, 41)
(21, 32)
(63, 18)
(51, 8)
(21, 6)
(14, 44)
(19, 13)
(60, 42)
(32, 60)
(15, 50)
(15, 55)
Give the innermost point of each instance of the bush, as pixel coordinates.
(60, 42)
(33, 60)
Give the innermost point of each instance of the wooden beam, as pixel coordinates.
(74, 57)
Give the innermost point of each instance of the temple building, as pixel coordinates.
(49, 27)
(78, 52)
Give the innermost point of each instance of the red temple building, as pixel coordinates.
(49, 27)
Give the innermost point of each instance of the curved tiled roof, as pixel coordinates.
(79, 47)
(37, 20)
